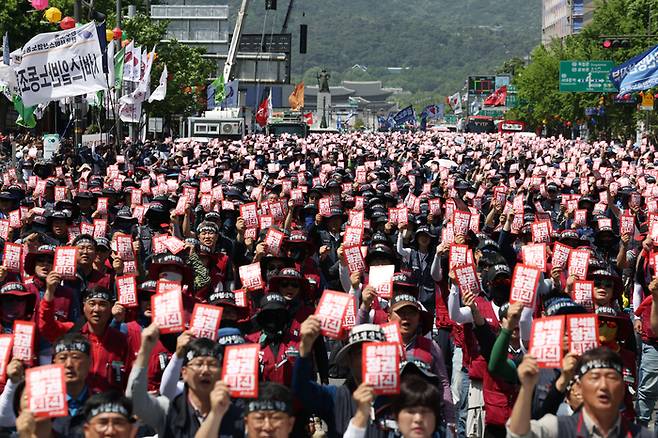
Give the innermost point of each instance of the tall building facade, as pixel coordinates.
(198, 23)
(565, 17)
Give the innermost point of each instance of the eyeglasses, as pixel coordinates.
(198, 366)
(102, 424)
(275, 419)
(289, 284)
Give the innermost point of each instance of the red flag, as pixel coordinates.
(498, 97)
(308, 118)
(263, 113)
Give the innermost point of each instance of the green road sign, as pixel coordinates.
(512, 100)
(495, 113)
(586, 76)
(450, 118)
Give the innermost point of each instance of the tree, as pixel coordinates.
(189, 72)
(541, 102)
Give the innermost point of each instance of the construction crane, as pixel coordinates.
(284, 28)
(235, 41)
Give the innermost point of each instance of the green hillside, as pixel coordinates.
(441, 41)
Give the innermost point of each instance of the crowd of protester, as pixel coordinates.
(265, 227)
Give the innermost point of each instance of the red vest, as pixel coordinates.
(644, 312)
(499, 398)
(441, 292)
(158, 360)
(422, 350)
(277, 368)
(473, 360)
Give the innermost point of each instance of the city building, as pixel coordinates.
(205, 24)
(198, 23)
(565, 17)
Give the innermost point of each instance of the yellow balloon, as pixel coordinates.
(109, 35)
(53, 15)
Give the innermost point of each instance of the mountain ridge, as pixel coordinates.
(440, 41)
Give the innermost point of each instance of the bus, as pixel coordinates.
(511, 126)
(480, 124)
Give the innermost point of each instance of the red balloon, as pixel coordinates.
(67, 23)
(117, 32)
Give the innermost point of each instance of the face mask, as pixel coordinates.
(172, 276)
(499, 293)
(274, 325)
(229, 224)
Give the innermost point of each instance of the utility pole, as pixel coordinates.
(117, 119)
(77, 100)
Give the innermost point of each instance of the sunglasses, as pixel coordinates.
(609, 324)
(501, 281)
(604, 283)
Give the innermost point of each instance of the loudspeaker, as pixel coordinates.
(270, 5)
(303, 34)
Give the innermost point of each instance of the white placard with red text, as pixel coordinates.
(524, 285)
(205, 321)
(45, 389)
(583, 331)
(331, 311)
(240, 370)
(167, 308)
(546, 341)
(381, 367)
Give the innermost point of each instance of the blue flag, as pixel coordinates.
(405, 115)
(643, 75)
(231, 91)
(5, 49)
(618, 73)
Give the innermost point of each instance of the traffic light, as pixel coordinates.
(270, 5)
(615, 43)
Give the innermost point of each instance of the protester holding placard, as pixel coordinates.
(414, 324)
(333, 404)
(111, 354)
(601, 381)
(575, 221)
(420, 260)
(184, 415)
(86, 276)
(328, 234)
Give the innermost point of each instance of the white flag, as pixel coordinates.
(61, 64)
(130, 112)
(137, 64)
(110, 64)
(144, 86)
(161, 91)
(456, 103)
(128, 62)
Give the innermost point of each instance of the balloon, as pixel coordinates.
(53, 15)
(117, 32)
(109, 36)
(67, 23)
(39, 5)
